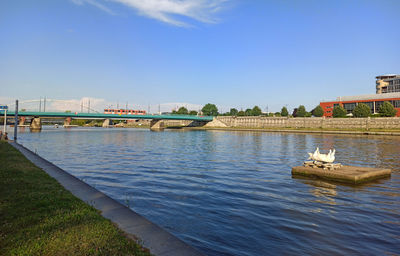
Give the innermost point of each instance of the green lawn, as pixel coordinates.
(39, 217)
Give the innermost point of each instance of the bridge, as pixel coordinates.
(156, 120)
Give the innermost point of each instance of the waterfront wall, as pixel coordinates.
(311, 122)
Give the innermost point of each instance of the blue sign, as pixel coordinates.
(3, 107)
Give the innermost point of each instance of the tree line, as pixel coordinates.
(361, 110)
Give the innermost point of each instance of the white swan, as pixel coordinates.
(326, 158)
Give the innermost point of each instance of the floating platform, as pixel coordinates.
(346, 174)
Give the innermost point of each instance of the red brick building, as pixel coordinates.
(374, 101)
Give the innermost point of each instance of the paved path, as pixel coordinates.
(159, 241)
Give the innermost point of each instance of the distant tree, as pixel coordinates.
(256, 111)
(248, 112)
(67, 111)
(210, 110)
(233, 112)
(23, 110)
(193, 113)
(318, 111)
(277, 114)
(182, 111)
(308, 114)
(387, 109)
(301, 111)
(294, 113)
(339, 111)
(361, 110)
(284, 112)
(241, 113)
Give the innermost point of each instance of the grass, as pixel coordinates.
(39, 217)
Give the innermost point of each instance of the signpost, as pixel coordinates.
(4, 107)
(16, 121)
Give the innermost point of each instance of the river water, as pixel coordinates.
(232, 193)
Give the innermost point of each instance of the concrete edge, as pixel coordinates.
(151, 236)
(296, 131)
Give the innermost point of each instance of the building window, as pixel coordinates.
(395, 103)
(349, 107)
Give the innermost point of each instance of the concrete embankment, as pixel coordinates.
(359, 126)
(151, 236)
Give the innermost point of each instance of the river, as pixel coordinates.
(232, 193)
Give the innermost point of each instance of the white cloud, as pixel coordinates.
(94, 3)
(168, 11)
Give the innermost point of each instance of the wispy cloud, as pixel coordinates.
(94, 3)
(169, 11)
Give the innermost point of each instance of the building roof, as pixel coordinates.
(386, 76)
(368, 97)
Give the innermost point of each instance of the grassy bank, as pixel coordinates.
(39, 217)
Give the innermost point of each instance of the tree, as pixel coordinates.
(210, 110)
(182, 111)
(256, 111)
(301, 111)
(193, 113)
(339, 111)
(233, 112)
(318, 111)
(277, 114)
(362, 110)
(241, 113)
(284, 112)
(387, 109)
(248, 112)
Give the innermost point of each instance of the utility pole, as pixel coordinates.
(16, 121)
(5, 121)
(89, 107)
(40, 104)
(159, 109)
(81, 106)
(44, 104)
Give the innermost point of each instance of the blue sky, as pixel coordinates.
(234, 53)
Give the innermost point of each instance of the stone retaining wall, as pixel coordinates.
(311, 122)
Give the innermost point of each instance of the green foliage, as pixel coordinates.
(284, 112)
(233, 112)
(67, 111)
(387, 109)
(40, 217)
(23, 110)
(241, 113)
(361, 110)
(248, 112)
(277, 114)
(318, 111)
(339, 111)
(193, 113)
(270, 114)
(210, 110)
(256, 111)
(182, 111)
(308, 114)
(301, 111)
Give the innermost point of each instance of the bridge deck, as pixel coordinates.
(77, 115)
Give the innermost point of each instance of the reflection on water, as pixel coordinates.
(232, 193)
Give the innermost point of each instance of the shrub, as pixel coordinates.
(387, 109)
(339, 111)
(361, 110)
(284, 112)
(301, 111)
(318, 111)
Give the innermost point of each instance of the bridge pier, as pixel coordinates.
(22, 120)
(36, 124)
(157, 125)
(107, 123)
(67, 121)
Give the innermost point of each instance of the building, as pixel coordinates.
(387, 89)
(387, 84)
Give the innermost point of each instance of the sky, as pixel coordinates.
(170, 53)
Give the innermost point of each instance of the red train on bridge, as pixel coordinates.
(124, 111)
